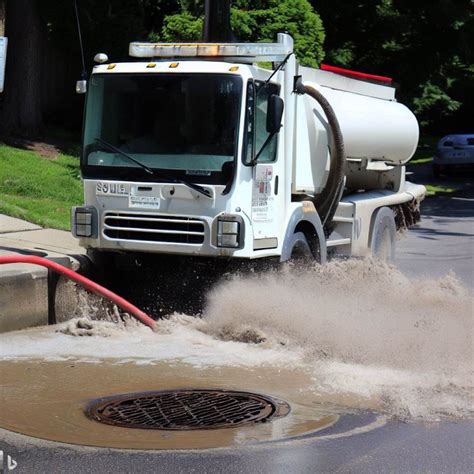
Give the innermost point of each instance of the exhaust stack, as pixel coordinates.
(217, 27)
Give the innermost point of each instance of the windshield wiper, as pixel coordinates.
(193, 186)
(118, 150)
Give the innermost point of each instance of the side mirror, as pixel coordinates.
(274, 114)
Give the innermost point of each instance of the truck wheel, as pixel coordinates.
(383, 235)
(301, 251)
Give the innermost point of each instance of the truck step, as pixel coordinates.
(338, 242)
(343, 219)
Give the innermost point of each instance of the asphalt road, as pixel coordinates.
(443, 241)
(395, 447)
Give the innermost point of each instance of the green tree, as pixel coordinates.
(181, 27)
(256, 21)
(427, 46)
(261, 21)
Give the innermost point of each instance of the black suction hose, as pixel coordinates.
(327, 201)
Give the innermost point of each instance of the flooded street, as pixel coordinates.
(367, 358)
(362, 337)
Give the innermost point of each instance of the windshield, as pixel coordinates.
(184, 123)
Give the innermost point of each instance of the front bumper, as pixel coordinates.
(127, 231)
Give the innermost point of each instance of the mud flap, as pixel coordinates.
(407, 214)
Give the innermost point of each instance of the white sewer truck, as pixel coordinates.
(195, 150)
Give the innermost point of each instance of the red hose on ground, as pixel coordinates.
(85, 282)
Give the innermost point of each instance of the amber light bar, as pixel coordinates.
(248, 52)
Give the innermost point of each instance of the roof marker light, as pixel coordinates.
(234, 69)
(356, 74)
(151, 65)
(174, 65)
(111, 66)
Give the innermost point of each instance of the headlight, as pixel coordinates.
(230, 231)
(84, 222)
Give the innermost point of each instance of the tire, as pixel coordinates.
(383, 235)
(100, 257)
(301, 251)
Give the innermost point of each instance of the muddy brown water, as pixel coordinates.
(47, 400)
(349, 336)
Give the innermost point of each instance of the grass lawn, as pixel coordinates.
(37, 189)
(434, 189)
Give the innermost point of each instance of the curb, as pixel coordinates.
(28, 293)
(23, 298)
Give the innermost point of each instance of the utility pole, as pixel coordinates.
(217, 22)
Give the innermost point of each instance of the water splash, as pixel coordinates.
(364, 334)
(365, 328)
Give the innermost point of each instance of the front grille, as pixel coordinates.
(154, 228)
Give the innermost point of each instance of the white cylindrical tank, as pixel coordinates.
(372, 127)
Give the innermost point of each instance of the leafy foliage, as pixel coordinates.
(258, 21)
(427, 46)
(182, 27)
(261, 21)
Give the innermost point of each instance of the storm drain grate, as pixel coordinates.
(186, 409)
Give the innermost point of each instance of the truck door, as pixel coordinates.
(266, 207)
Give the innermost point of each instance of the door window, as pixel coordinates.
(256, 123)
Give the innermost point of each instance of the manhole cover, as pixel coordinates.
(186, 409)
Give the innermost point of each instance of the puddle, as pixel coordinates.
(47, 400)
